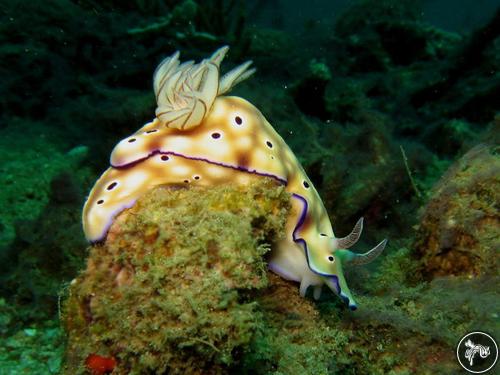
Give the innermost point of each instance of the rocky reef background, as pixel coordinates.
(394, 118)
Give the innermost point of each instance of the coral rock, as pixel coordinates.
(170, 290)
(460, 229)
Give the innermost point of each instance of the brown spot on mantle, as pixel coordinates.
(243, 161)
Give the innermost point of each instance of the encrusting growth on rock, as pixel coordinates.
(460, 227)
(170, 290)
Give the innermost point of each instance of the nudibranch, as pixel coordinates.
(203, 138)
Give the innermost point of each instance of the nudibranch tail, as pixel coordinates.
(186, 92)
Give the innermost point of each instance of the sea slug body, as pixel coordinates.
(201, 137)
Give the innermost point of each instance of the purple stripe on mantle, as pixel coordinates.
(158, 152)
(238, 168)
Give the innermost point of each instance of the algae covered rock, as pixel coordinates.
(170, 290)
(460, 229)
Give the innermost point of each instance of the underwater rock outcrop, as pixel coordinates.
(309, 93)
(169, 291)
(377, 36)
(460, 229)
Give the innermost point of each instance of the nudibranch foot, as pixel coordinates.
(304, 285)
(317, 291)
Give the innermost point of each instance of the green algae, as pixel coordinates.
(171, 287)
(293, 337)
(29, 163)
(35, 349)
(41, 241)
